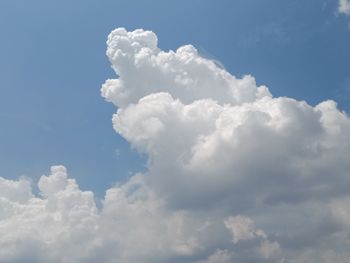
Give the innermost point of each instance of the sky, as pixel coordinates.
(53, 64)
(218, 131)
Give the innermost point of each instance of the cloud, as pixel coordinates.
(344, 7)
(234, 174)
(184, 73)
(134, 225)
(243, 228)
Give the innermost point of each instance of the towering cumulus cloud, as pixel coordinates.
(234, 174)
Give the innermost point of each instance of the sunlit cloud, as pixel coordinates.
(234, 174)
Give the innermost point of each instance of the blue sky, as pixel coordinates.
(221, 168)
(53, 64)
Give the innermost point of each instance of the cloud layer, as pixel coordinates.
(234, 174)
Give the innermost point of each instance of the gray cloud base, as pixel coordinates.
(234, 174)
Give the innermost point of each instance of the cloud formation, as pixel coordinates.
(234, 174)
(344, 7)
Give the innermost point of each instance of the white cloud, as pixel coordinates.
(183, 73)
(234, 174)
(243, 228)
(19, 191)
(134, 225)
(49, 229)
(344, 7)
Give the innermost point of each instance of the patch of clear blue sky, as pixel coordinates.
(52, 64)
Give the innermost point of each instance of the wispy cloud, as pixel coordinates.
(344, 7)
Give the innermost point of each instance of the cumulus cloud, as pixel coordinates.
(183, 73)
(344, 7)
(234, 174)
(134, 225)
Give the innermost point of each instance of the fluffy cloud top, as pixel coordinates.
(234, 174)
(344, 7)
(184, 73)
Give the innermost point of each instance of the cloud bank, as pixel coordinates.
(234, 174)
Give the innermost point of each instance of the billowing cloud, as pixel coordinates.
(344, 7)
(234, 174)
(134, 225)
